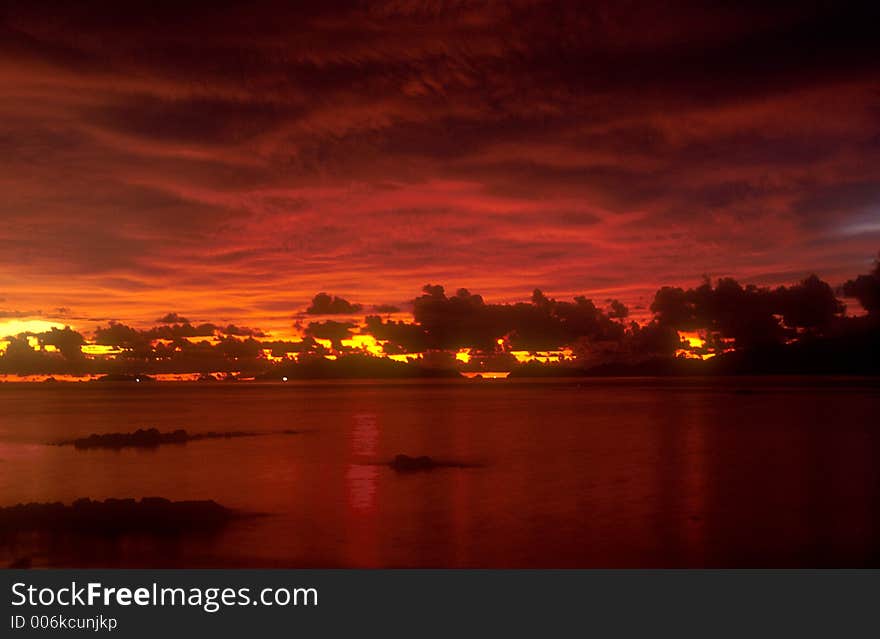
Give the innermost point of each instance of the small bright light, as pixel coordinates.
(283, 379)
(137, 379)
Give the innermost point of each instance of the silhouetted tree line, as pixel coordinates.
(801, 328)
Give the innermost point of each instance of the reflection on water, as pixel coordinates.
(587, 473)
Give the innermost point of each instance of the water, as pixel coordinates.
(585, 473)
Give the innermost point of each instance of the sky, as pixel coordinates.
(228, 161)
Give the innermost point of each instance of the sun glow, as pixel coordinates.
(100, 349)
(12, 327)
(695, 344)
(267, 353)
(364, 342)
(543, 356)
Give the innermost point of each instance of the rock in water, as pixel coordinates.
(407, 464)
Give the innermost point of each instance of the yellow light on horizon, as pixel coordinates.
(326, 343)
(267, 353)
(692, 338)
(12, 327)
(100, 349)
(213, 340)
(694, 342)
(542, 356)
(365, 342)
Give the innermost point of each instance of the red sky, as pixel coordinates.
(228, 162)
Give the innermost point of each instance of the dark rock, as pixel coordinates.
(141, 438)
(116, 516)
(119, 377)
(151, 438)
(407, 464)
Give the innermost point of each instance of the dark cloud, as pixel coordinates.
(331, 330)
(241, 331)
(122, 336)
(119, 335)
(177, 331)
(172, 318)
(385, 309)
(750, 315)
(191, 120)
(324, 304)
(20, 358)
(465, 320)
(866, 289)
(68, 342)
(617, 310)
(402, 337)
(281, 348)
(810, 305)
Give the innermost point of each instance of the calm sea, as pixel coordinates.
(584, 473)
